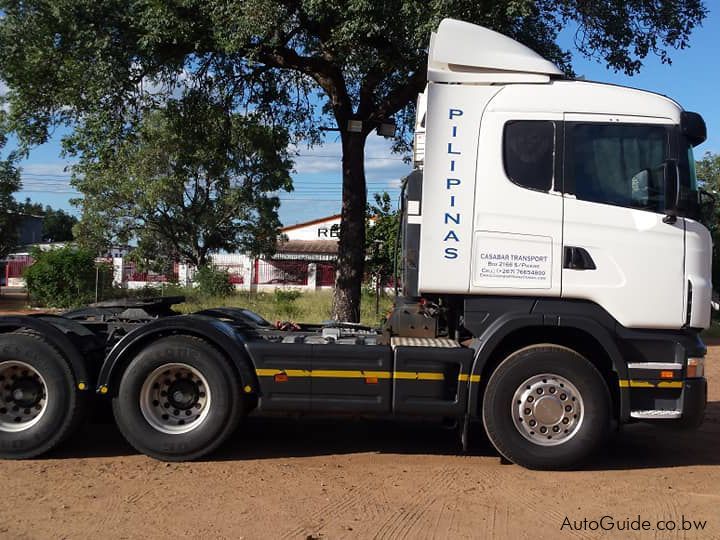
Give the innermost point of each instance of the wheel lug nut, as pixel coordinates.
(552, 389)
(188, 413)
(568, 408)
(530, 399)
(556, 429)
(176, 412)
(565, 420)
(532, 423)
(543, 429)
(527, 410)
(539, 391)
(563, 397)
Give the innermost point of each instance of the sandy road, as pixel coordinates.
(281, 478)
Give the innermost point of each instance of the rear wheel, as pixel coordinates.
(178, 399)
(39, 400)
(546, 407)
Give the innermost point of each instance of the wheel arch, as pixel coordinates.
(218, 334)
(56, 338)
(582, 335)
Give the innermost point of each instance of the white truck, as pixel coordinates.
(555, 283)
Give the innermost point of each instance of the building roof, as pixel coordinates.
(311, 222)
(320, 247)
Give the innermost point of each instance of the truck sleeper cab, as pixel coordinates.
(555, 282)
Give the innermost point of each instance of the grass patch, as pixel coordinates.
(308, 307)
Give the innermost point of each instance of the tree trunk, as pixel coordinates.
(351, 249)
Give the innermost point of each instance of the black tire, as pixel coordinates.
(64, 404)
(498, 407)
(222, 417)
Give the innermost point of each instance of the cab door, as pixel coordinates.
(517, 230)
(619, 251)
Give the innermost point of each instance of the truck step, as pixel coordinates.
(423, 342)
(655, 415)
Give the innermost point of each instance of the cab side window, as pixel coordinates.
(528, 153)
(618, 164)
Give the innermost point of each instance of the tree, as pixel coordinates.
(380, 238)
(300, 64)
(9, 184)
(194, 179)
(708, 173)
(57, 224)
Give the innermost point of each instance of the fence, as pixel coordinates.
(235, 272)
(131, 273)
(14, 269)
(280, 272)
(325, 275)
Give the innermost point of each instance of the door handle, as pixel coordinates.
(577, 258)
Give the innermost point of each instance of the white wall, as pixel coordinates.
(325, 230)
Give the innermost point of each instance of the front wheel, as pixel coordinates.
(178, 399)
(546, 407)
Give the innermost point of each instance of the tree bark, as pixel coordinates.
(351, 248)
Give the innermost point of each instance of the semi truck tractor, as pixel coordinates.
(555, 281)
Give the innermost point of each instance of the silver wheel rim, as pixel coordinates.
(175, 399)
(23, 396)
(547, 409)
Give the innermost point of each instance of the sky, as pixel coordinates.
(692, 79)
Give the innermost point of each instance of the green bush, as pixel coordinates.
(285, 303)
(65, 277)
(213, 282)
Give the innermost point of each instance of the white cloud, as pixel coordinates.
(47, 169)
(380, 162)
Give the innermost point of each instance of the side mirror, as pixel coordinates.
(672, 189)
(693, 127)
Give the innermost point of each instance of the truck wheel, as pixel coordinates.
(546, 407)
(39, 401)
(178, 399)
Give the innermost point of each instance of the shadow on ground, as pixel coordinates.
(634, 447)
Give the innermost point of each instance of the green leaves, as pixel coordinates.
(193, 179)
(380, 237)
(64, 277)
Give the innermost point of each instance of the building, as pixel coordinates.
(305, 257)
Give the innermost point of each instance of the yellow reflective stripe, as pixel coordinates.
(360, 374)
(419, 376)
(624, 383)
(345, 374)
(262, 372)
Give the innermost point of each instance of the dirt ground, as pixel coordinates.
(280, 478)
